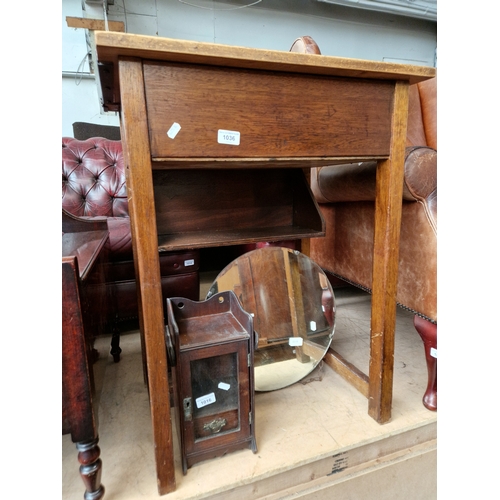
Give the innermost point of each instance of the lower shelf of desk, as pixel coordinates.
(214, 207)
(209, 238)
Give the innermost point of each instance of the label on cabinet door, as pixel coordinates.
(205, 400)
(295, 341)
(230, 137)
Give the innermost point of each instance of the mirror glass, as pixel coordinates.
(293, 309)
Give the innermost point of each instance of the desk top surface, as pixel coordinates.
(111, 46)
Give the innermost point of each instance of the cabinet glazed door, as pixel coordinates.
(215, 401)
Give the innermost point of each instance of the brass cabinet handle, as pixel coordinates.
(215, 426)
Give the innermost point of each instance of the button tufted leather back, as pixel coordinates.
(93, 178)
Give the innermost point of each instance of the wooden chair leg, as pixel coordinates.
(115, 349)
(115, 344)
(90, 469)
(428, 333)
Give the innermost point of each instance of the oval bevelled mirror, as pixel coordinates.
(293, 307)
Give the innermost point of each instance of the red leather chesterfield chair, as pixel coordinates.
(93, 185)
(345, 194)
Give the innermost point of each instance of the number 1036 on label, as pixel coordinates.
(230, 137)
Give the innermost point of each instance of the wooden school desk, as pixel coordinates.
(215, 138)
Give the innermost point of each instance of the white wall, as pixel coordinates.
(271, 24)
(80, 102)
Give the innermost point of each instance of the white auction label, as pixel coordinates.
(434, 352)
(224, 386)
(295, 341)
(205, 400)
(189, 262)
(230, 137)
(173, 130)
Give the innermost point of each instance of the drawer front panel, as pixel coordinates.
(202, 111)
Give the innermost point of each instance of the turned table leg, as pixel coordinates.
(428, 333)
(90, 469)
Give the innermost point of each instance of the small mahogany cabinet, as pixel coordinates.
(215, 139)
(211, 349)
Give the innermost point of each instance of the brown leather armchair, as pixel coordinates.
(345, 194)
(93, 185)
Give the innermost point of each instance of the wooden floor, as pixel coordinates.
(315, 439)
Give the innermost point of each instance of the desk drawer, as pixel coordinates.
(240, 113)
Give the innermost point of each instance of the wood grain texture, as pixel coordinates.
(94, 24)
(76, 373)
(277, 114)
(388, 204)
(366, 121)
(241, 206)
(146, 260)
(258, 162)
(347, 371)
(110, 46)
(213, 342)
(81, 272)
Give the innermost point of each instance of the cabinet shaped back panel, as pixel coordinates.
(239, 113)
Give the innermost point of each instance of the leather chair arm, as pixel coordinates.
(347, 182)
(420, 179)
(356, 181)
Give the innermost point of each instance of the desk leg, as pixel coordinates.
(388, 203)
(137, 157)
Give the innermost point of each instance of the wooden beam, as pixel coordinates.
(388, 206)
(94, 24)
(347, 371)
(137, 157)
